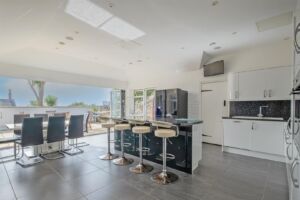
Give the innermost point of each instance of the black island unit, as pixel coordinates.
(184, 151)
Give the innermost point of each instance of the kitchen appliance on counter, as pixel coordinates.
(171, 103)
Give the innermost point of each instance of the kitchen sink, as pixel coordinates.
(253, 117)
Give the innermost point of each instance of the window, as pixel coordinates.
(144, 103)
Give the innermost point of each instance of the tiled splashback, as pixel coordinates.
(251, 108)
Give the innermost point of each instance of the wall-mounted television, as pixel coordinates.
(214, 68)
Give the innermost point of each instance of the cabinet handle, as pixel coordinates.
(294, 180)
(252, 127)
(270, 93)
(265, 94)
(237, 121)
(236, 94)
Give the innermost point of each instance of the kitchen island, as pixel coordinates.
(184, 151)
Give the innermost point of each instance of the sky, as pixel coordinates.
(66, 93)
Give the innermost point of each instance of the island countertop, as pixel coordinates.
(178, 121)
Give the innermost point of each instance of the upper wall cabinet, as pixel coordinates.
(266, 84)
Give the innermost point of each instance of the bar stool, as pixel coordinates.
(166, 131)
(108, 156)
(122, 161)
(140, 129)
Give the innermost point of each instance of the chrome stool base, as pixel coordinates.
(164, 178)
(122, 161)
(109, 156)
(141, 168)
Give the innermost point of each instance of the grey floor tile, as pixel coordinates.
(220, 176)
(6, 192)
(92, 181)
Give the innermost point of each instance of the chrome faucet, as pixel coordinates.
(260, 111)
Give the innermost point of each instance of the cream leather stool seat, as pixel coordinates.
(122, 161)
(165, 133)
(108, 156)
(141, 129)
(108, 125)
(141, 167)
(122, 127)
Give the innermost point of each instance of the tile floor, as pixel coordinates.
(220, 176)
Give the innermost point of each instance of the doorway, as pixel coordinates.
(214, 106)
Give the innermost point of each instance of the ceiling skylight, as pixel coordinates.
(121, 29)
(87, 12)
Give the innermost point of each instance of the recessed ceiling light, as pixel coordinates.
(130, 63)
(217, 48)
(69, 38)
(234, 33)
(212, 43)
(121, 29)
(214, 3)
(61, 43)
(87, 12)
(139, 61)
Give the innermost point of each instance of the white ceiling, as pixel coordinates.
(177, 33)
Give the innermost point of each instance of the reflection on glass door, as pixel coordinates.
(144, 104)
(117, 103)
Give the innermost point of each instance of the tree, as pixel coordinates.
(51, 100)
(38, 88)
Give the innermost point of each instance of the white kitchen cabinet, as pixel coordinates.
(237, 133)
(254, 135)
(266, 84)
(233, 86)
(267, 137)
(252, 85)
(278, 83)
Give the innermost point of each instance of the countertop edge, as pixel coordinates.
(271, 120)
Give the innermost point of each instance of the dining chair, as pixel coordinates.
(31, 135)
(55, 133)
(75, 131)
(18, 119)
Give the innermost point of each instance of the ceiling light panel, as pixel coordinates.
(121, 29)
(87, 12)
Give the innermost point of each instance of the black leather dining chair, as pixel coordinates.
(44, 116)
(32, 135)
(55, 133)
(18, 119)
(75, 131)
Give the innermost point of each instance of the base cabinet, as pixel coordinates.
(258, 136)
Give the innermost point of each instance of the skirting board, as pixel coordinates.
(254, 154)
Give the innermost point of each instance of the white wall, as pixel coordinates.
(264, 56)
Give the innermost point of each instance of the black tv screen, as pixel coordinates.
(214, 68)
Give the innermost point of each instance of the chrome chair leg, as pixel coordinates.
(141, 167)
(54, 155)
(26, 161)
(74, 150)
(108, 155)
(122, 161)
(164, 177)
